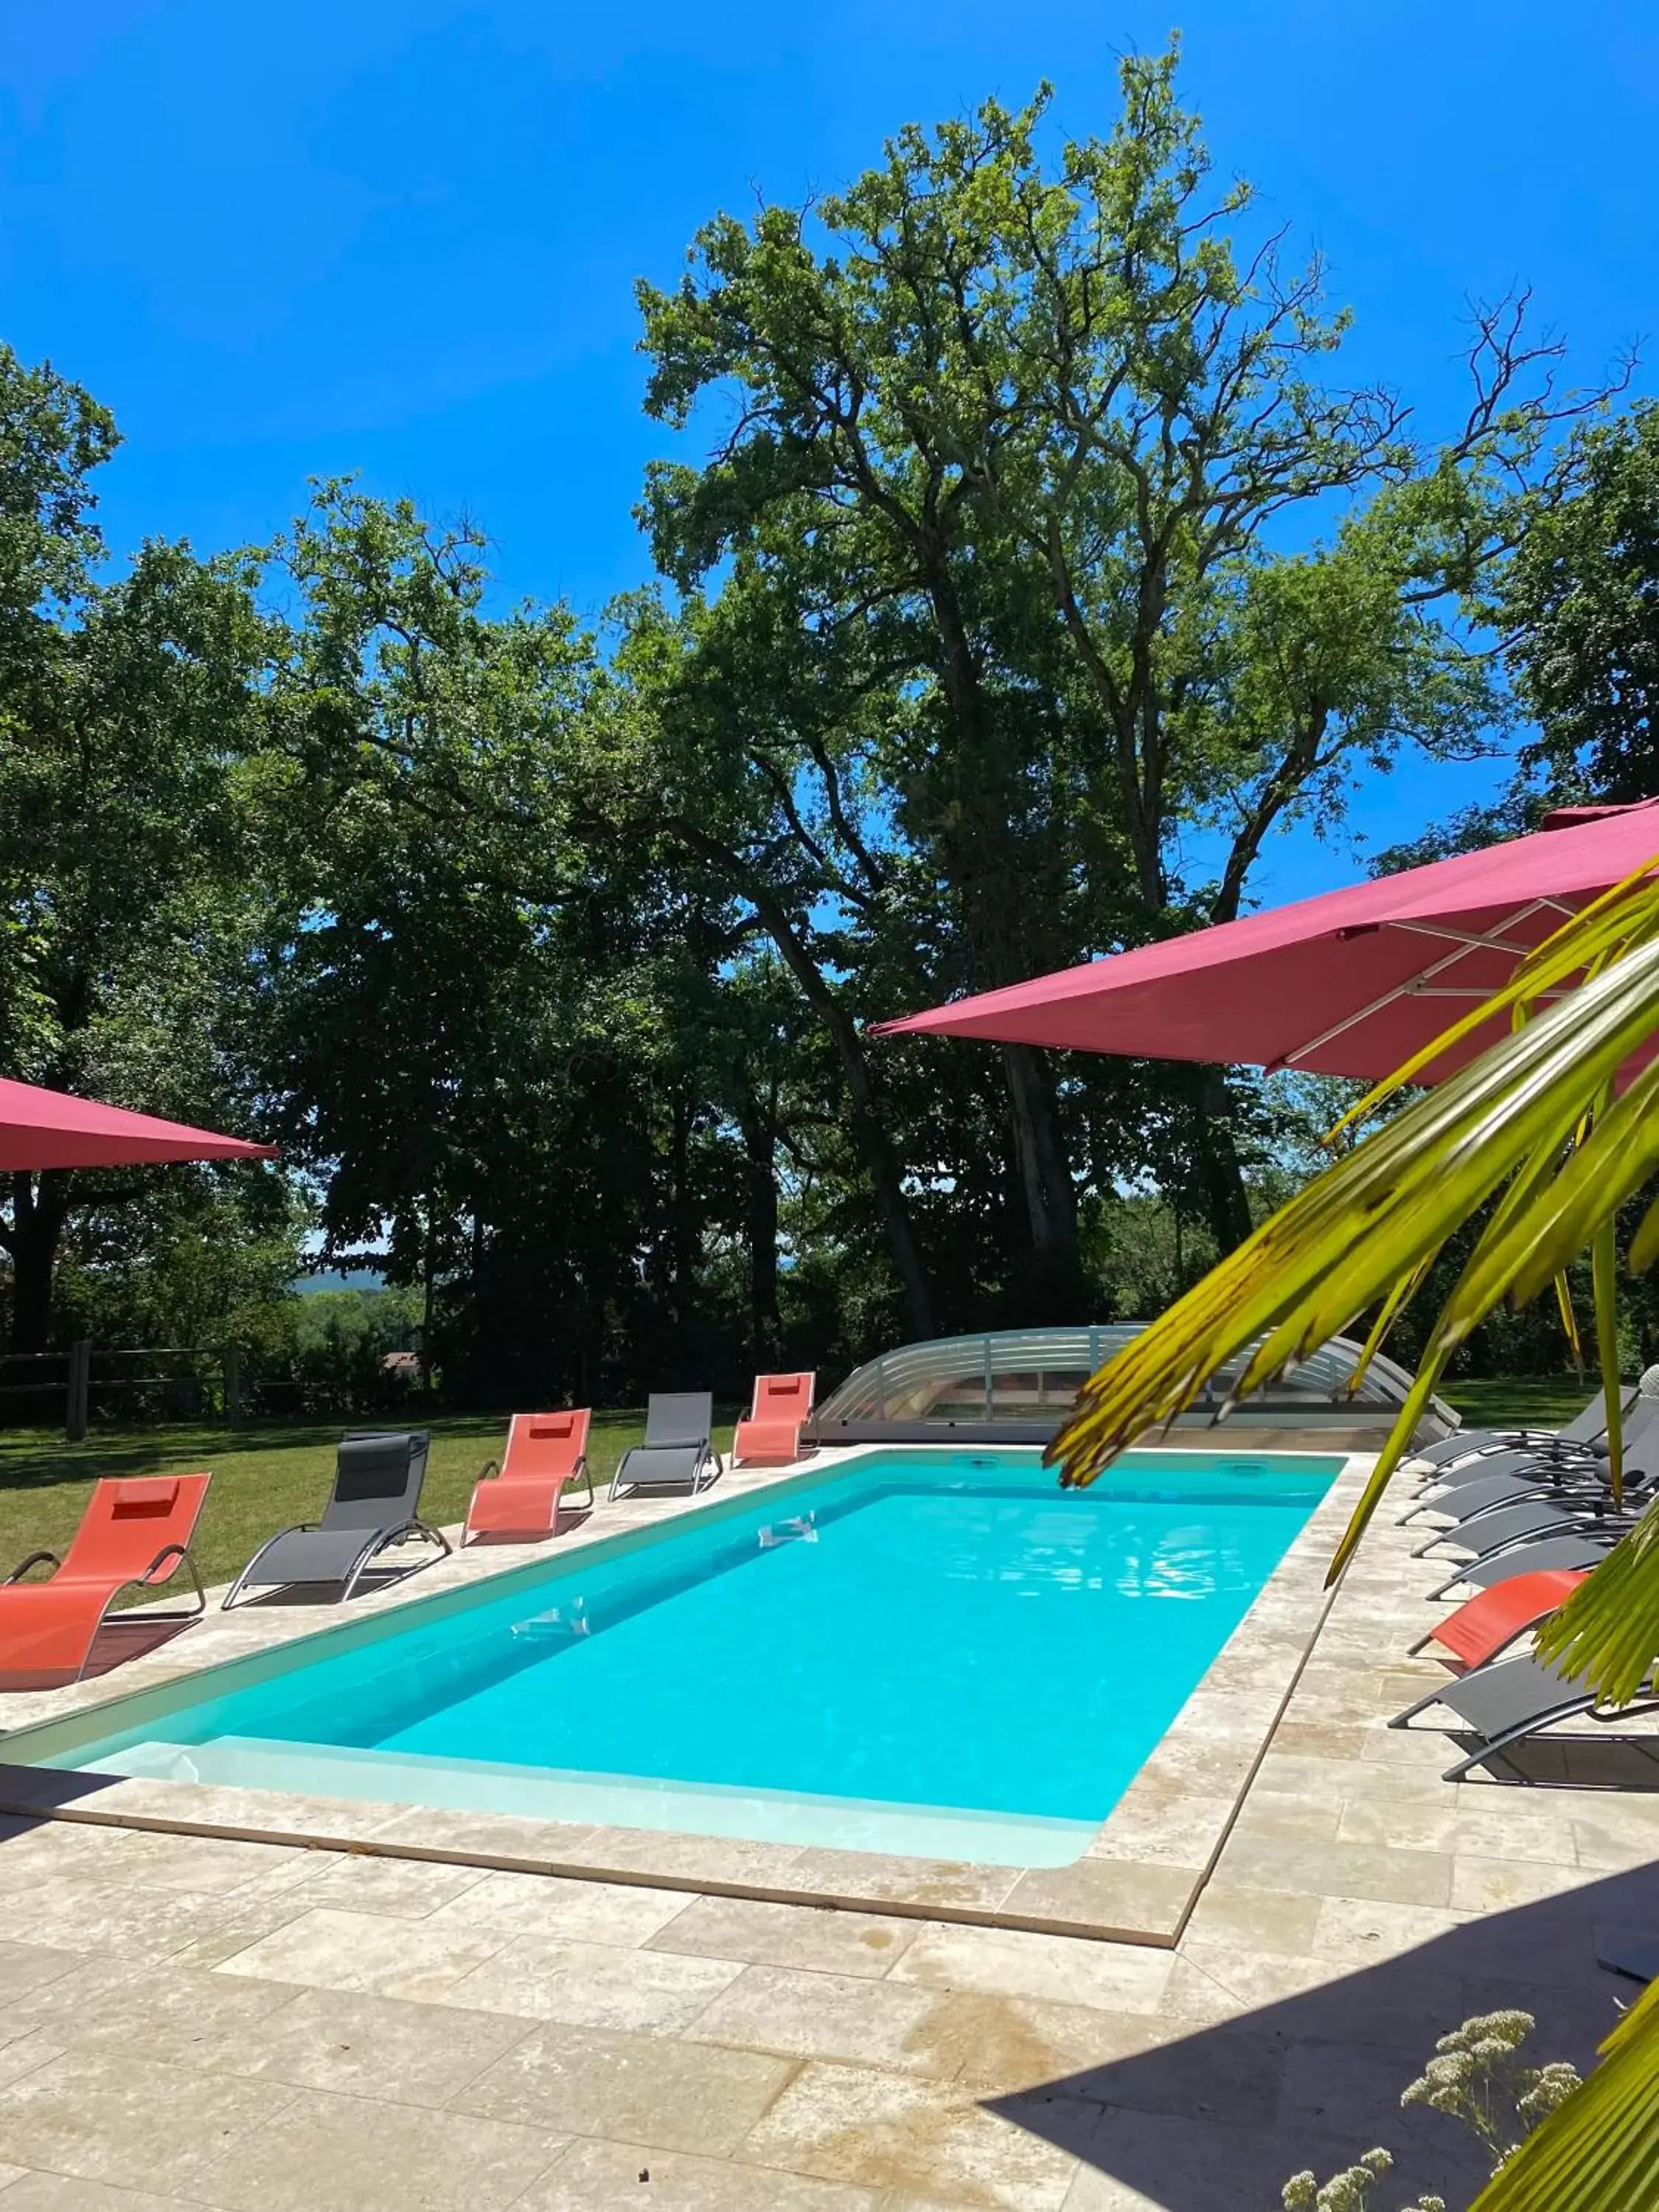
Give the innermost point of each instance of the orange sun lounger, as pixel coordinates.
(545, 1452)
(1479, 1629)
(771, 1435)
(134, 1535)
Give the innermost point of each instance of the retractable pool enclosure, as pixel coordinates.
(1016, 1386)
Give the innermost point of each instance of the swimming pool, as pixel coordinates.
(911, 1652)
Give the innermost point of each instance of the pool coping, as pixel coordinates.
(1137, 1881)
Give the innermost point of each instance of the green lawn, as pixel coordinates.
(1545, 1402)
(263, 1479)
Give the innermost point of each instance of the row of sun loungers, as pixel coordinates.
(136, 1534)
(1530, 1515)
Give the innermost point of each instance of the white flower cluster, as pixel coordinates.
(1473, 2077)
(1349, 2190)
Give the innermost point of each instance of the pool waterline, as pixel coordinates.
(737, 1738)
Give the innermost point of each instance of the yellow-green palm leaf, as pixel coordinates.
(1534, 1130)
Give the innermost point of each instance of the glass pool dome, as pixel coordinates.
(1016, 1386)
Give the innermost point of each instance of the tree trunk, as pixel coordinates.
(1221, 1179)
(1056, 1288)
(429, 1272)
(682, 1248)
(984, 870)
(39, 1209)
(761, 1221)
(868, 1130)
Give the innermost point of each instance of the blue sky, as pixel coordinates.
(403, 240)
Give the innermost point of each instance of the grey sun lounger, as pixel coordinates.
(1458, 1502)
(1507, 1700)
(1504, 1525)
(1584, 1465)
(1589, 1423)
(1473, 1502)
(677, 1453)
(1554, 1551)
(377, 1488)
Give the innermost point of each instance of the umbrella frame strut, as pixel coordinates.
(1422, 985)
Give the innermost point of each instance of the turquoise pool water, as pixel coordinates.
(918, 1651)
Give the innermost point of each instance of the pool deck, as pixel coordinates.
(191, 2019)
(1137, 1881)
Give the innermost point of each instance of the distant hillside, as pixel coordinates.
(334, 1279)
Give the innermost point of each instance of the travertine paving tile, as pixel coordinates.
(1013, 2044)
(443, 1828)
(599, 2177)
(68, 1913)
(888, 2130)
(1496, 1885)
(247, 1918)
(1286, 1814)
(30, 1849)
(1449, 1825)
(24, 1966)
(330, 2154)
(403, 1889)
(1165, 1827)
(333, 1950)
(369, 2046)
(82, 1990)
(819, 2015)
(21, 2054)
(1007, 1962)
(153, 1859)
(622, 1913)
(1328, 2002)
(1361, 1931)
(110, 2120)
(184, 2016)
(920, 1882)
(1358, 1870)
(1256, 1919)
(1603, 1848)
(594, 1986)
(692, 1858)
(1128, 1896)
(640, 2089)
(804, 1935)
(63, 2192)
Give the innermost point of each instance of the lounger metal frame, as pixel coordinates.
(710, 1459)
(378, 1540)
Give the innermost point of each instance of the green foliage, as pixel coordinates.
(1579, 603)
(321, 1352)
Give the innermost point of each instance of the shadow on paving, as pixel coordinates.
(120, 1640)
(1218, 2118)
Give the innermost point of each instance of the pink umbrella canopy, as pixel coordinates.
(1349, 983)
(50, 1130)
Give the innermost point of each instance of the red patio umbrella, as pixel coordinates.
(1349, 983)
(50, 1130)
